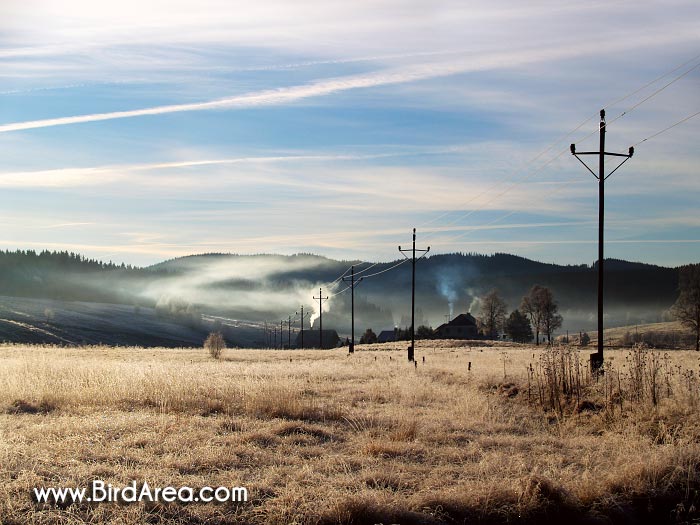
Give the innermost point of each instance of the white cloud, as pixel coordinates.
(399, 75)
(538, 70)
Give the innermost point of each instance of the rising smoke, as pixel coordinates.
(447, 283)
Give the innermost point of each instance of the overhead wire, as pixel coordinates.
(331, 283)
(386, 269)
(505, 179)
(498, 219)
(568, 134)
(652, 82)
(667, 128)
(653, 94)
(521, 180)
(516, 182)
(617, 101)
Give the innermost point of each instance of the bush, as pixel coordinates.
(585, 339)
(215, 343)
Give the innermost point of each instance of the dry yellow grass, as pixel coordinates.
(323, 437)
(670, 334)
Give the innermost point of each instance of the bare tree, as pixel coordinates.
(687, 307)
(529, 307)
(539, 305)
(551, 320)
(493, 314)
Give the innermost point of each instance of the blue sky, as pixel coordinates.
(141, 131)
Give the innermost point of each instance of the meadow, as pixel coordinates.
(471, 434)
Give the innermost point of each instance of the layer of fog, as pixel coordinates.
(271, 289)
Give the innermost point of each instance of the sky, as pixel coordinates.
(142, 131)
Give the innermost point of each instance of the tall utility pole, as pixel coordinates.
(281, 329)
(413, 291)
(320, 316)
(353, 282)
(289, 332)
(597, 358)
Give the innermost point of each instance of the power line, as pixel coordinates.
(667, 128)
(540, 168)
(652, 82)
(515, 182)
(536, 171)
(386, 269)
(330, 284)
(341, 291)
(635, 106)
(579, 126)
(367, 269)
(336, 280)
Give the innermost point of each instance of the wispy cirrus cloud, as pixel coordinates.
(97, 175)
(390, 80)
(330, 86)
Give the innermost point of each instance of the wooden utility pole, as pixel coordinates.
(320, 316)
(413, 291)
(301, 321)
(353, 282)
(597, 358)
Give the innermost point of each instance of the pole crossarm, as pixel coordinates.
(626, 156)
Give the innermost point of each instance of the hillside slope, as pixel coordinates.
(268, 288)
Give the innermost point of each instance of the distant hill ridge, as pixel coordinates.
(268, 286)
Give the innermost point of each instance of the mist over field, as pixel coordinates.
(243, 293)
(270, 287)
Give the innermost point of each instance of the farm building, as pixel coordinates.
(387, 336)
(312, 339)
(461, 327)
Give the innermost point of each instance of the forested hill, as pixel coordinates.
(62, 275)
(262, 287)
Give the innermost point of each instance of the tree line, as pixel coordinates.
(538, 314)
